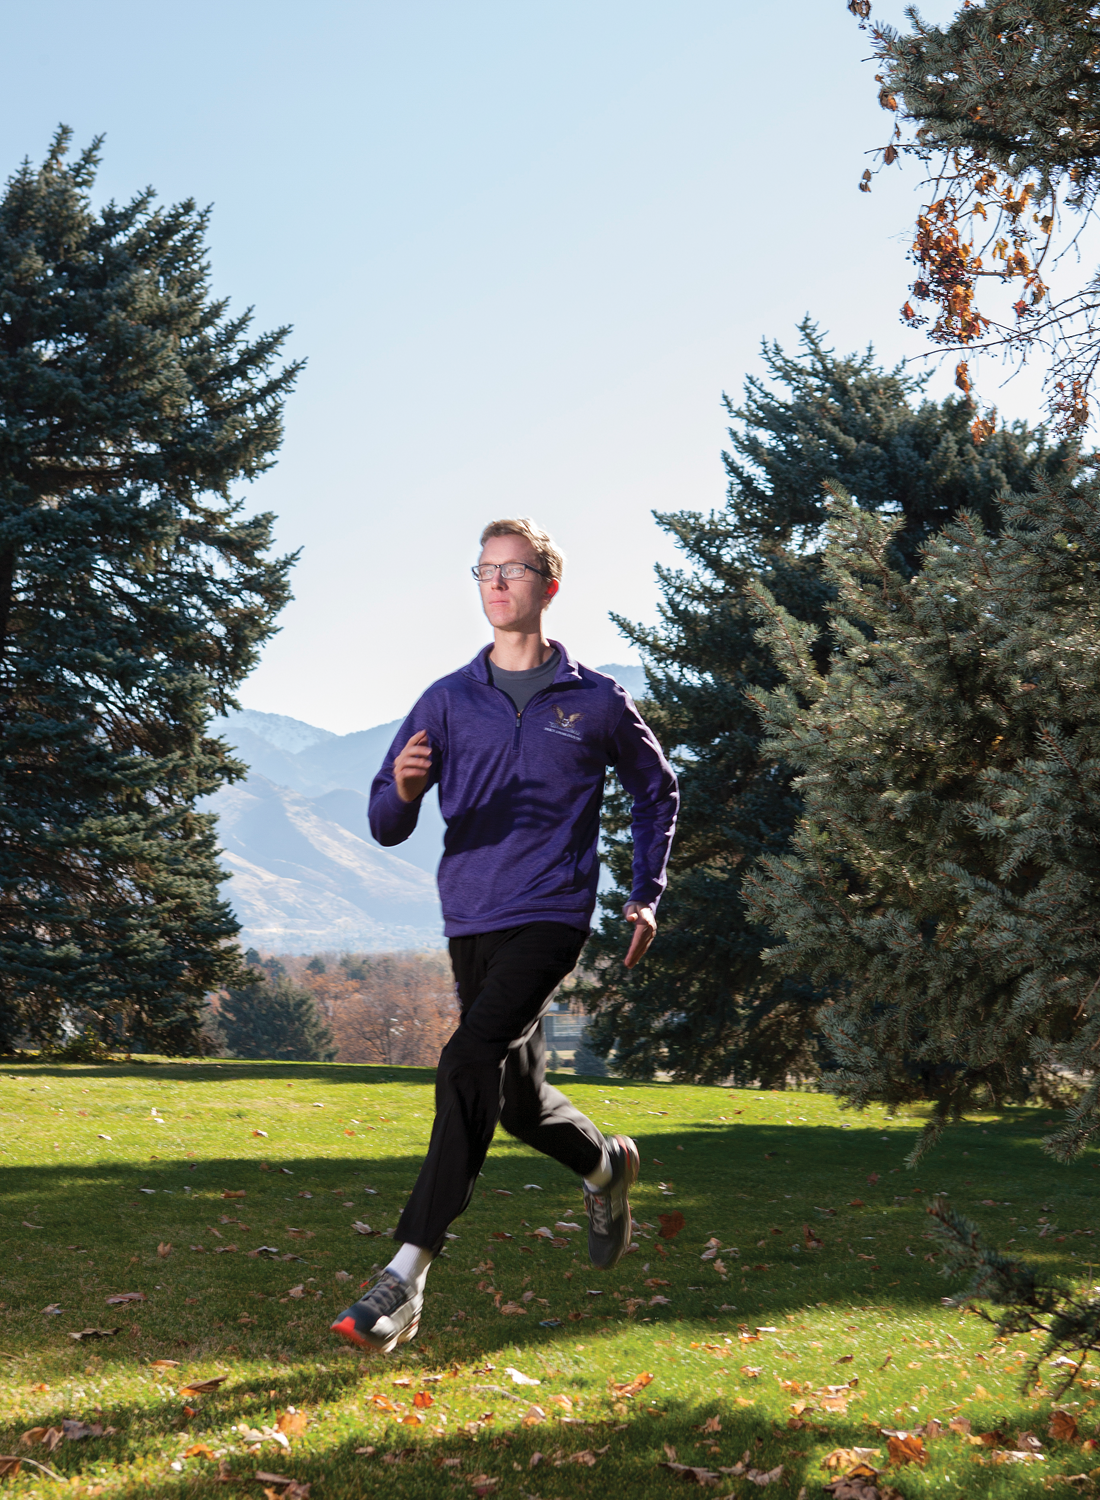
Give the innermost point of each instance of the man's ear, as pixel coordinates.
(551, 589)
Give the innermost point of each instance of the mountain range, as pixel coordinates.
(306, 875)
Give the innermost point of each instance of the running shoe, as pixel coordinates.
(609, 1226)
(388, 1315)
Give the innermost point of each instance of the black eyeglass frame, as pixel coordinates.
(496, 567)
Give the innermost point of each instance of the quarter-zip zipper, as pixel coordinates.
(519, 713)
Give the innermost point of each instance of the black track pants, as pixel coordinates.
(494, 1068)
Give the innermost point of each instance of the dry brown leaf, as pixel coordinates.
(163, 1250)
(293, 1423)
(9, 1465)
(164, 1364)
(233, 1193)
(1063, 1427)
(126, 1297)
(510, 1309)
(423, 1398)
(906, 1448)
(631, 1387)
(849, 1458)
(690, 1473)
(93, 1333)
(671, 1224)
(833, 1403)
(200, 1450)
(382, 1402)
(74, 1430)
(197, 1387)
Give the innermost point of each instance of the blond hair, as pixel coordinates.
(548, 555)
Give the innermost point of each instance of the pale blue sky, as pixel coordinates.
(524, 247)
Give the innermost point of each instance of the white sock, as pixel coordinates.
(601, 1176)
(411, 1264)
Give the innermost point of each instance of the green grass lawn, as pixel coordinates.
(104, 1168)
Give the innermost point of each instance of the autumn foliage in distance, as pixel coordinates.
(396, 1008)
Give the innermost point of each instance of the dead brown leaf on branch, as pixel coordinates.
(992, 106)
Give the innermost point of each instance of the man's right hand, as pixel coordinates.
(412, 767)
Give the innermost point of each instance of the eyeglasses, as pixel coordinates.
(484, 572)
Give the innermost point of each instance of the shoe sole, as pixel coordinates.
(347, 1330)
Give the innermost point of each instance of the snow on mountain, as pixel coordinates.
(279, 730)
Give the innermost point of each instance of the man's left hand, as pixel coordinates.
(645, 930)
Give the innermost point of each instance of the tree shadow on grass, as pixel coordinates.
(367, 1452)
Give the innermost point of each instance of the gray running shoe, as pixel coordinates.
(388, 1315)
(609, 1225)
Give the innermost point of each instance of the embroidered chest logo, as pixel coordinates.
(566, 724)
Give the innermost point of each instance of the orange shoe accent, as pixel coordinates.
(346, 1329)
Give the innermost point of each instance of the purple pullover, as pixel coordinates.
(521, 795)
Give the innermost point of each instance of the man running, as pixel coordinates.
(519, 742)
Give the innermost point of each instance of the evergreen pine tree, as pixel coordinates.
(941, 882)
(275, 1020)
(134, 598)
(703, 1005)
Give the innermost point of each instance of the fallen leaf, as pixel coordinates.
(631, 1387)
(425, 1398)
(74, 1431)
(690, 1473)
(849, 1458)
(197, 1387)
(906, 1448)
(126, 1297)
(1063, 1427)
(293, 1423)
(94, 1333)
(164, 1251)
(164, 1364)
(511, 1309)
(233, 1193)
(200, 1450)
(671, 1224)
